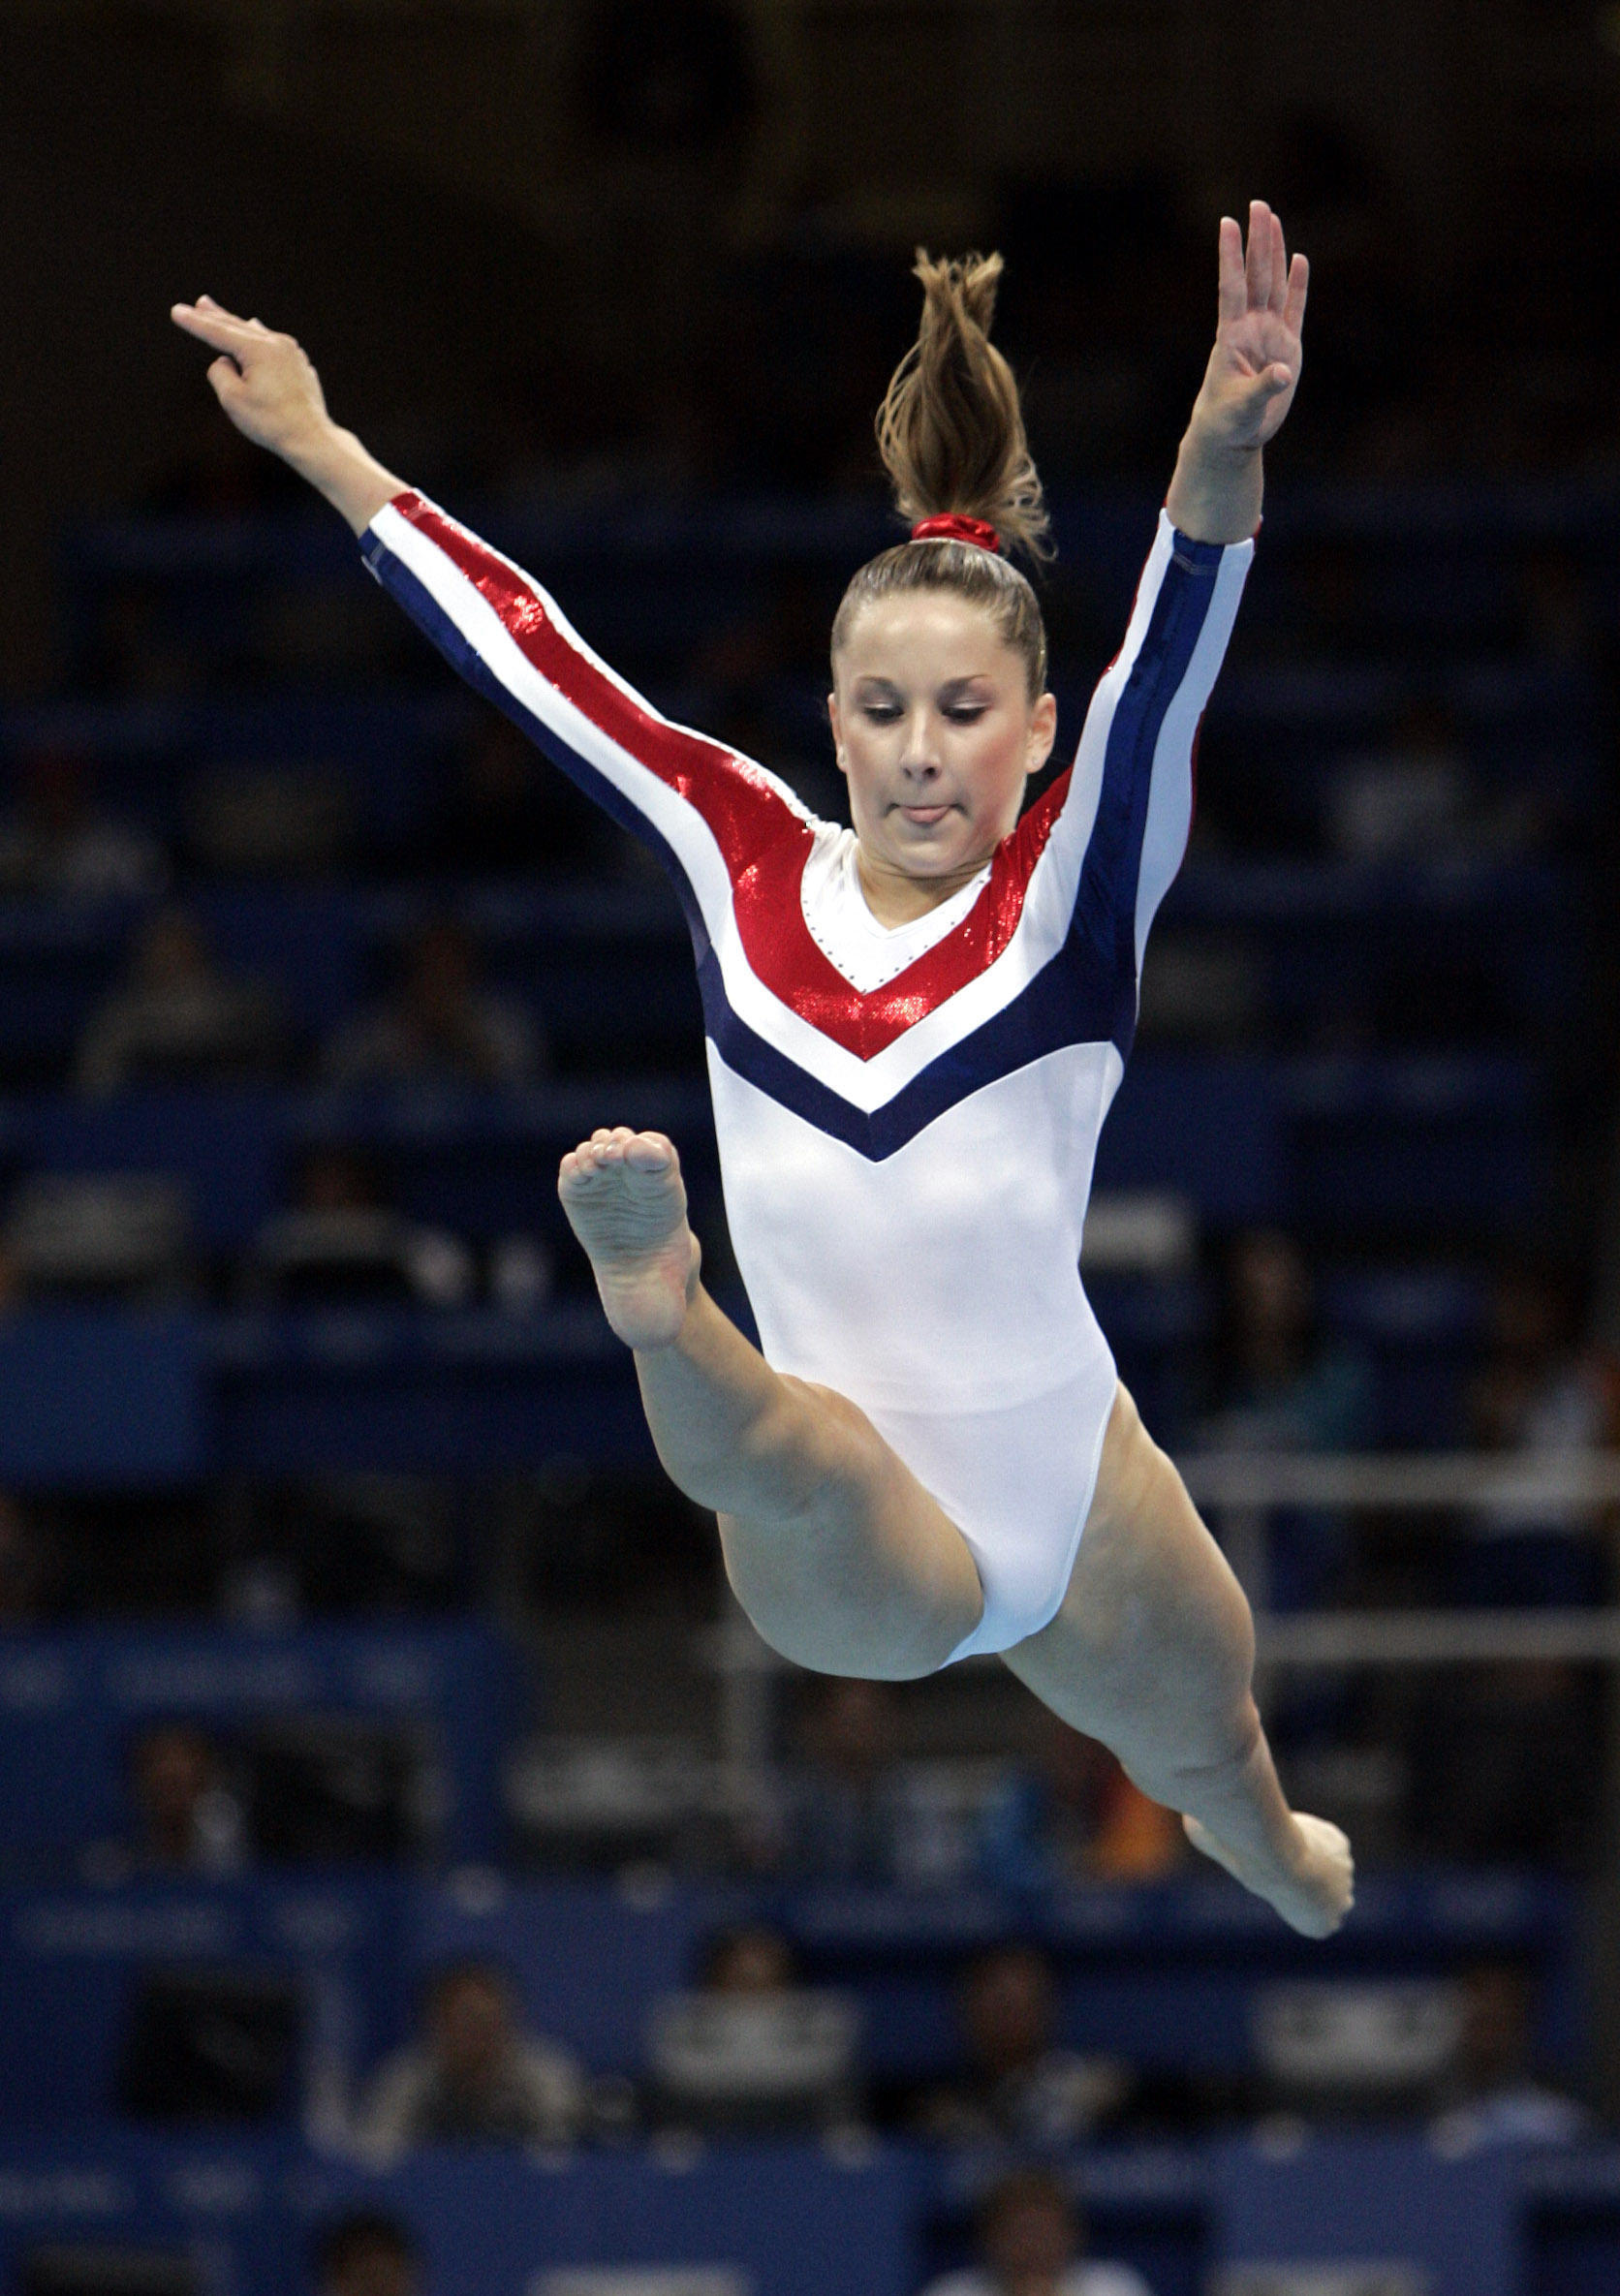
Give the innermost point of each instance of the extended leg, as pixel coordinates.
(1152, 1652)
(838, 1555)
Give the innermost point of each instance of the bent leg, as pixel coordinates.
(1152, 1652)
(838, 1555)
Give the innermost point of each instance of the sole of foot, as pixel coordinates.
(625, 1200)
(1315, 1897)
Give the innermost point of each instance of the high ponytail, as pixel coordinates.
(949, 429)
(952, 437)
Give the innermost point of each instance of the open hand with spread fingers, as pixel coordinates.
(268, 385)
(1254, 369)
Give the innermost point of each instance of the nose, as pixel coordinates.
(916, 759)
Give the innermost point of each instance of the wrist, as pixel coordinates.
(1207, 441)
(337, 466)
(1216, 493)
(319, 450)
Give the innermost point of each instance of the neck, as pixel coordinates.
(896, 898)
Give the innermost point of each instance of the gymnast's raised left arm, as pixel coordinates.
(1248, 385)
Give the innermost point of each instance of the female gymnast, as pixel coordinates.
(915, 1029)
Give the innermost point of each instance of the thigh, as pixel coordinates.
(868, 1575)
(1154, 1630)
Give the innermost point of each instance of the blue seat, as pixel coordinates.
(73, 1697)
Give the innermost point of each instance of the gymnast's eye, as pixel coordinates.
(880, 713)
(965, 713)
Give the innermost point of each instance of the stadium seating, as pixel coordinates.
(1393, 1090)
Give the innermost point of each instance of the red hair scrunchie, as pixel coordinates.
(950, 526)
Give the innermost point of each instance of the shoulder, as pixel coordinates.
(403, 2073)
(386, 2117)
(1104, 2279)
(549, 2066)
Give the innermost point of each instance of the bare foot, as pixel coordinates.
(623, 1195)
(1312, 1895)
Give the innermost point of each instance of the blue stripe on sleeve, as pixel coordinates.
(1107, 901)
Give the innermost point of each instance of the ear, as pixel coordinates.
(837, 735)
(1043, 733)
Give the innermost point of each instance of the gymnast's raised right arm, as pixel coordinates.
(269, 387)
(704, 810)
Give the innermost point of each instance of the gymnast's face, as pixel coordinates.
(936, 734)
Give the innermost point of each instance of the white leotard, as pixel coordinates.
(906, 1118)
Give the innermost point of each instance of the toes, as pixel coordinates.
(642, 1152)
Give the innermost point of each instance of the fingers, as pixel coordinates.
(1233, 300)
(206, 302)
(1260, 253)
(1279, 264)
(211, 322)
(218, 327)
(226, 377)
(1259, 276)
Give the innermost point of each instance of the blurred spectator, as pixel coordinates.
(212, 2043)
(1546, 1397)
(749, 1964)
(754, 2048)
(473, 2076)
(664, 83)
(1507, 1763)
(509, 812)
(22, 1565)
(1492, 2098)
(1394, 802)
(1072, 1815)
(440, 1024)
(268, 820)
(843, 1814)
(180, 1015)
(84, 1235)
(352, 1542)
(185, 1820)
(1030, 2244)
(366, 2254)
(1019, 2091)
(56, 843)
(341, 1243)
(1283, 1385)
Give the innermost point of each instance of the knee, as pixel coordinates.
(794, 1458)
(1230, 1739)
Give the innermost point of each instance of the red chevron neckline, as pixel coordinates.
(764, 843)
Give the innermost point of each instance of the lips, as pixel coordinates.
(924, 815)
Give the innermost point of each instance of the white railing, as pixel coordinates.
(1237, 1488)
(1419, 1480)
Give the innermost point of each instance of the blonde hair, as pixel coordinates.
(951, 433)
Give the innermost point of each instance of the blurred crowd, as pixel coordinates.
(258, 852)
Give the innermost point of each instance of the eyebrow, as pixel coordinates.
(870, 678)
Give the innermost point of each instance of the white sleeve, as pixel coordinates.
(1127, 811)
(706, 812)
